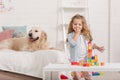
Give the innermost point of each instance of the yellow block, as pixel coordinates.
(101, 73)
(91, 64)
(92, 61)
(89, 47)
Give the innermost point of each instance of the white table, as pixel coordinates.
(68, 67)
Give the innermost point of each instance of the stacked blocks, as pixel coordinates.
(89, 50)
(91, 61)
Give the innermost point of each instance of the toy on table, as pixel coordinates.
(63, 77)
(97, 73)
(91, 61)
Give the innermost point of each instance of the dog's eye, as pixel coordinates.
(36, 31)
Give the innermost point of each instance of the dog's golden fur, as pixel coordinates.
(35, 40)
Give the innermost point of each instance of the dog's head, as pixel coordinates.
(36, 34)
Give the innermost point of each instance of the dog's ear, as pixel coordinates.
(44, 35)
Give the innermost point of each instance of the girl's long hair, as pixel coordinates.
(85, 29)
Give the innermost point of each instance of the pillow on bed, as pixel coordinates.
(1, 29)
(19, 31)
(6, 34)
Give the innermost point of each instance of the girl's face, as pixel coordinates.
(77, 23)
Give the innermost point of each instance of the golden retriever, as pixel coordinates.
(35, 40)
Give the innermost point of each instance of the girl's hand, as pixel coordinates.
(77, 30)
(101, 49)
(77, 33)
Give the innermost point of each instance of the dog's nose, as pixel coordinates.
(30, 34)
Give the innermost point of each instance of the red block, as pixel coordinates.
(90, 51)
(62, 76)
(74, 63)
(102, 63)
(89, 43)
(86, 64)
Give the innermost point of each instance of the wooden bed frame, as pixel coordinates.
(6, 75)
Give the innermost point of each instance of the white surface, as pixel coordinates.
(115, 31)
(68, 67)
(29, 63)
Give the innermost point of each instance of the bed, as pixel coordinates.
(30, 63)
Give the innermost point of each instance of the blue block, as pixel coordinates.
(96, 74)
(93, 57)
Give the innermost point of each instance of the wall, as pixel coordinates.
(115, 31)
(41, 13)
(98, 10)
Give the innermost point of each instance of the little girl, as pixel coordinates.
(78, 37)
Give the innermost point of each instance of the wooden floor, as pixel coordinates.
(5, 75)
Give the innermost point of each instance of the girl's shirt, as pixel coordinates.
(78, 50)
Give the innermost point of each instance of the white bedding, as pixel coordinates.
(30, 63)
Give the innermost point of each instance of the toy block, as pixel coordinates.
(96, 58)
(91, 64)
(97, 64)
(89, 43)
(89, 59)
(93, 57)
(102, 63)
(95, 74)
(90, 47)
(92, 61)
(101, 73)
(89, 54)
(62, 76)
(87, 64)
(89, 51)
(74, 63)
(84, 64)
(81, 63)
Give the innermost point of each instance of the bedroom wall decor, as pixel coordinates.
(6, 6)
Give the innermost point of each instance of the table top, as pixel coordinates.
(68, 67)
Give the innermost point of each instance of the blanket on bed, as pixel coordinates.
(30, 63)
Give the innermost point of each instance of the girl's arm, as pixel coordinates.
(101, 49)
(77, 33)
(75, 38)
(70, 40)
